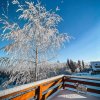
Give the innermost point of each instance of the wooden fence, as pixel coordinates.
(41, 90)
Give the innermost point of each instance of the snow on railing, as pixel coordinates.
(43, 89)
(83, 84)
(33, 90)
(83, 77)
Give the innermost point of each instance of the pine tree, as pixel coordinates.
(83, 64)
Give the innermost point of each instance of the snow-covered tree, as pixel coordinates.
(37, 40)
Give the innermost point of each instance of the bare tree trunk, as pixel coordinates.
(36, 65)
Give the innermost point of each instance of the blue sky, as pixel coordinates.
(81, 20)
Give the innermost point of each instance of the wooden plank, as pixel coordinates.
(51, 84)
(51, 81)
(25, 96)
(15, 93)
(51, 92)
(40, 93)
(93, 90)
(88, 89)
(83, 82)
(70, 86)
(63, 84)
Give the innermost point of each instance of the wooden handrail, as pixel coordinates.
(19, 92)
(43, 89)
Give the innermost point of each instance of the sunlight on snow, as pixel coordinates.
(72, 96)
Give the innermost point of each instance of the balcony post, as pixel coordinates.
(40, 93)
(63, 84)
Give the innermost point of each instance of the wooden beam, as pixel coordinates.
(40, 93)
(49, 93)
(51, 84)
(63, 84)
(25, 96)
(88, 89)
(15, 93)
(83, 82)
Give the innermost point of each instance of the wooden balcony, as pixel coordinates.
(63, 87)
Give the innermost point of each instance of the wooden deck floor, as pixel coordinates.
(68, 95)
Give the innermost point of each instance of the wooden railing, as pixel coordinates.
(83, 84)
(38, 90)
(41, 90)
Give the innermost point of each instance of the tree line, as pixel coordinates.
(78, 66)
